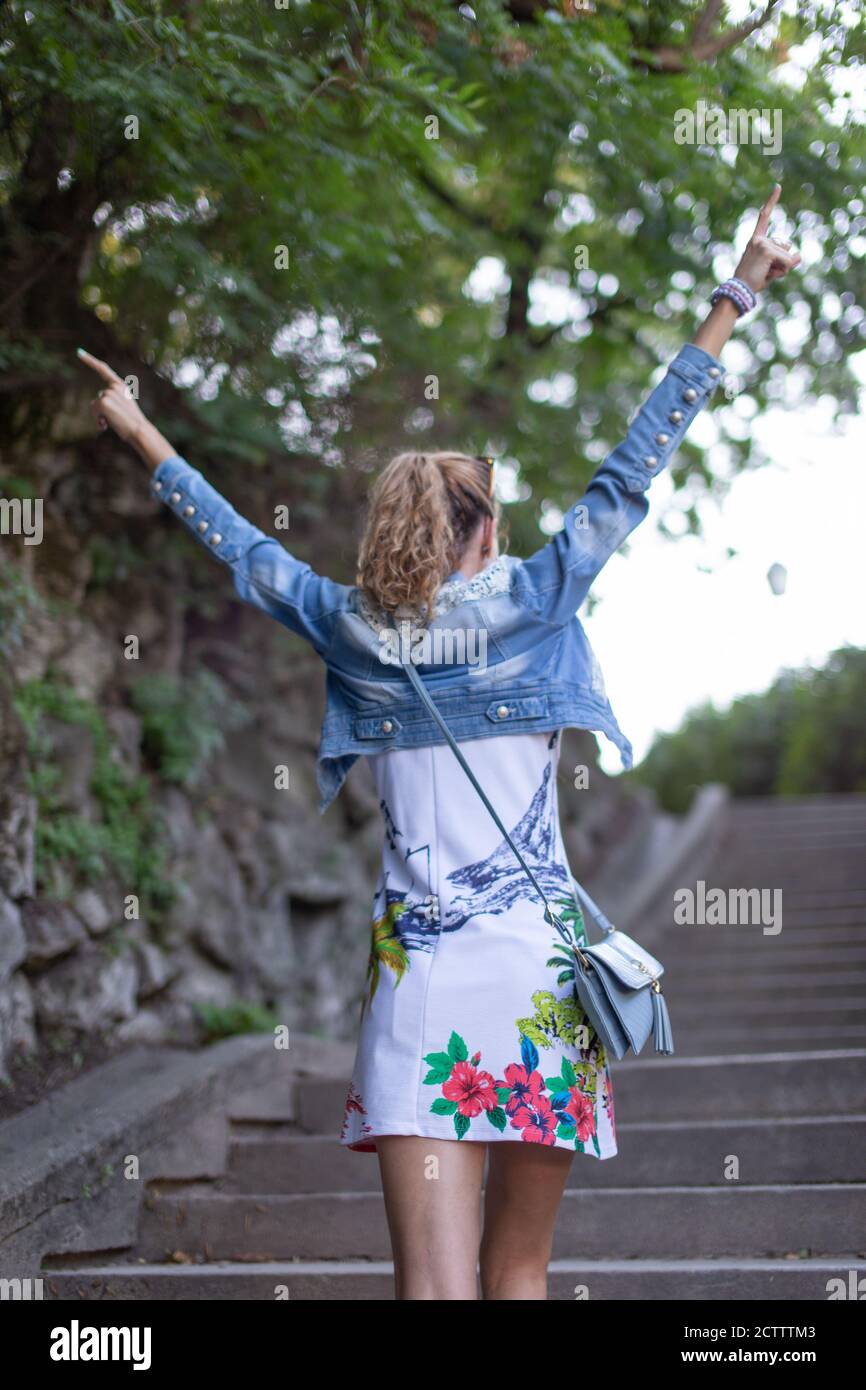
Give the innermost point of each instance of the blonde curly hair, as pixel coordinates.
(423, 510)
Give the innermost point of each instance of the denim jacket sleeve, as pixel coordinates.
(556, 579)
(264, 573)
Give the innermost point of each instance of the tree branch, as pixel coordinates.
(701, 48)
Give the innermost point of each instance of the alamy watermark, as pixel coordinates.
(721, 907)
(22, 516)
(438, 646)
(711, 125)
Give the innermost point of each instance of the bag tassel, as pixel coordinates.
(663, 1037)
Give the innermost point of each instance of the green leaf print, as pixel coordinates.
(461, 1124)
(441, 1106)
(568, 1075)
(436, 1077)
(595, 1144)
(386, 948)
(503, 1094)
(565, 1131)
(457, 1049)
(496, 1117)
(440, 1060)
(554, 1020)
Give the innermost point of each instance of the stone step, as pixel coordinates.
(615, 1223)
(747, 1012)
(824, 825)
(805, 1150)
(765, 960)
(825, 981)
(816, 841)
(697, 1042)
(793, 872)
(829, 1081)
(633, 1280)
(814, 868)
(702, 942)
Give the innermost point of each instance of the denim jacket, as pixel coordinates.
(502, 652)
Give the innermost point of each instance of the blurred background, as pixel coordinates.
(323, 233)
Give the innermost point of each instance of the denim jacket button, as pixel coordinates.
(651, 461)
(661, 439)
(157, 487)
(202, 526)
(175, 497)
(675, 416)
(189, 511)
(387, 726)
(502, 712)
(215, 538)
(689, 394)
(712, 371)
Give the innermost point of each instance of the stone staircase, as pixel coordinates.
(770, 1074)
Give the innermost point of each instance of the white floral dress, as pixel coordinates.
(469, 1026)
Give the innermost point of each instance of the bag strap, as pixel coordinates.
(585, 900)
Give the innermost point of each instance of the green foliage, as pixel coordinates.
(306, 127)
(806, 734)
(19, 603)
(113, 558)
(227, 1020)
(184, 722)
(125, 840)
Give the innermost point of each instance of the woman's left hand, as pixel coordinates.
(764, 259)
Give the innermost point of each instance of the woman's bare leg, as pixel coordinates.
(525, 1184)
(433, 1203)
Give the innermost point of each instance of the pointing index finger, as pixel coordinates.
(767, 211)
(101, 368)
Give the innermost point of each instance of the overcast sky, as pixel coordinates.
(669, 635)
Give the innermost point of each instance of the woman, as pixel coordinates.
(470, 1042)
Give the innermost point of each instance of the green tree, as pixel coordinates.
(155, 157)
(806, 734)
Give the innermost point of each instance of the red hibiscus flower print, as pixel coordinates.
(526, 1087)
(472, 1089)
(581, 1107)
(538, 1124)
(467, 1091)
(354, 1101)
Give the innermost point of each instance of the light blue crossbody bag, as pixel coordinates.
(616, 981)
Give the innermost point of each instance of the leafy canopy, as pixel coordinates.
(305, 126)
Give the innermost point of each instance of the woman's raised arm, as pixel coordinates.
(556, 579)
(265, 574)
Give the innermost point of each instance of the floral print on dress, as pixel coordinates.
(354, 1102)
(543, 1108)
(386, 949)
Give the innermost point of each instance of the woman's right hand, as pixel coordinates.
(765, 259)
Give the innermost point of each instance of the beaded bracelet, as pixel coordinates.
(740, 294)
